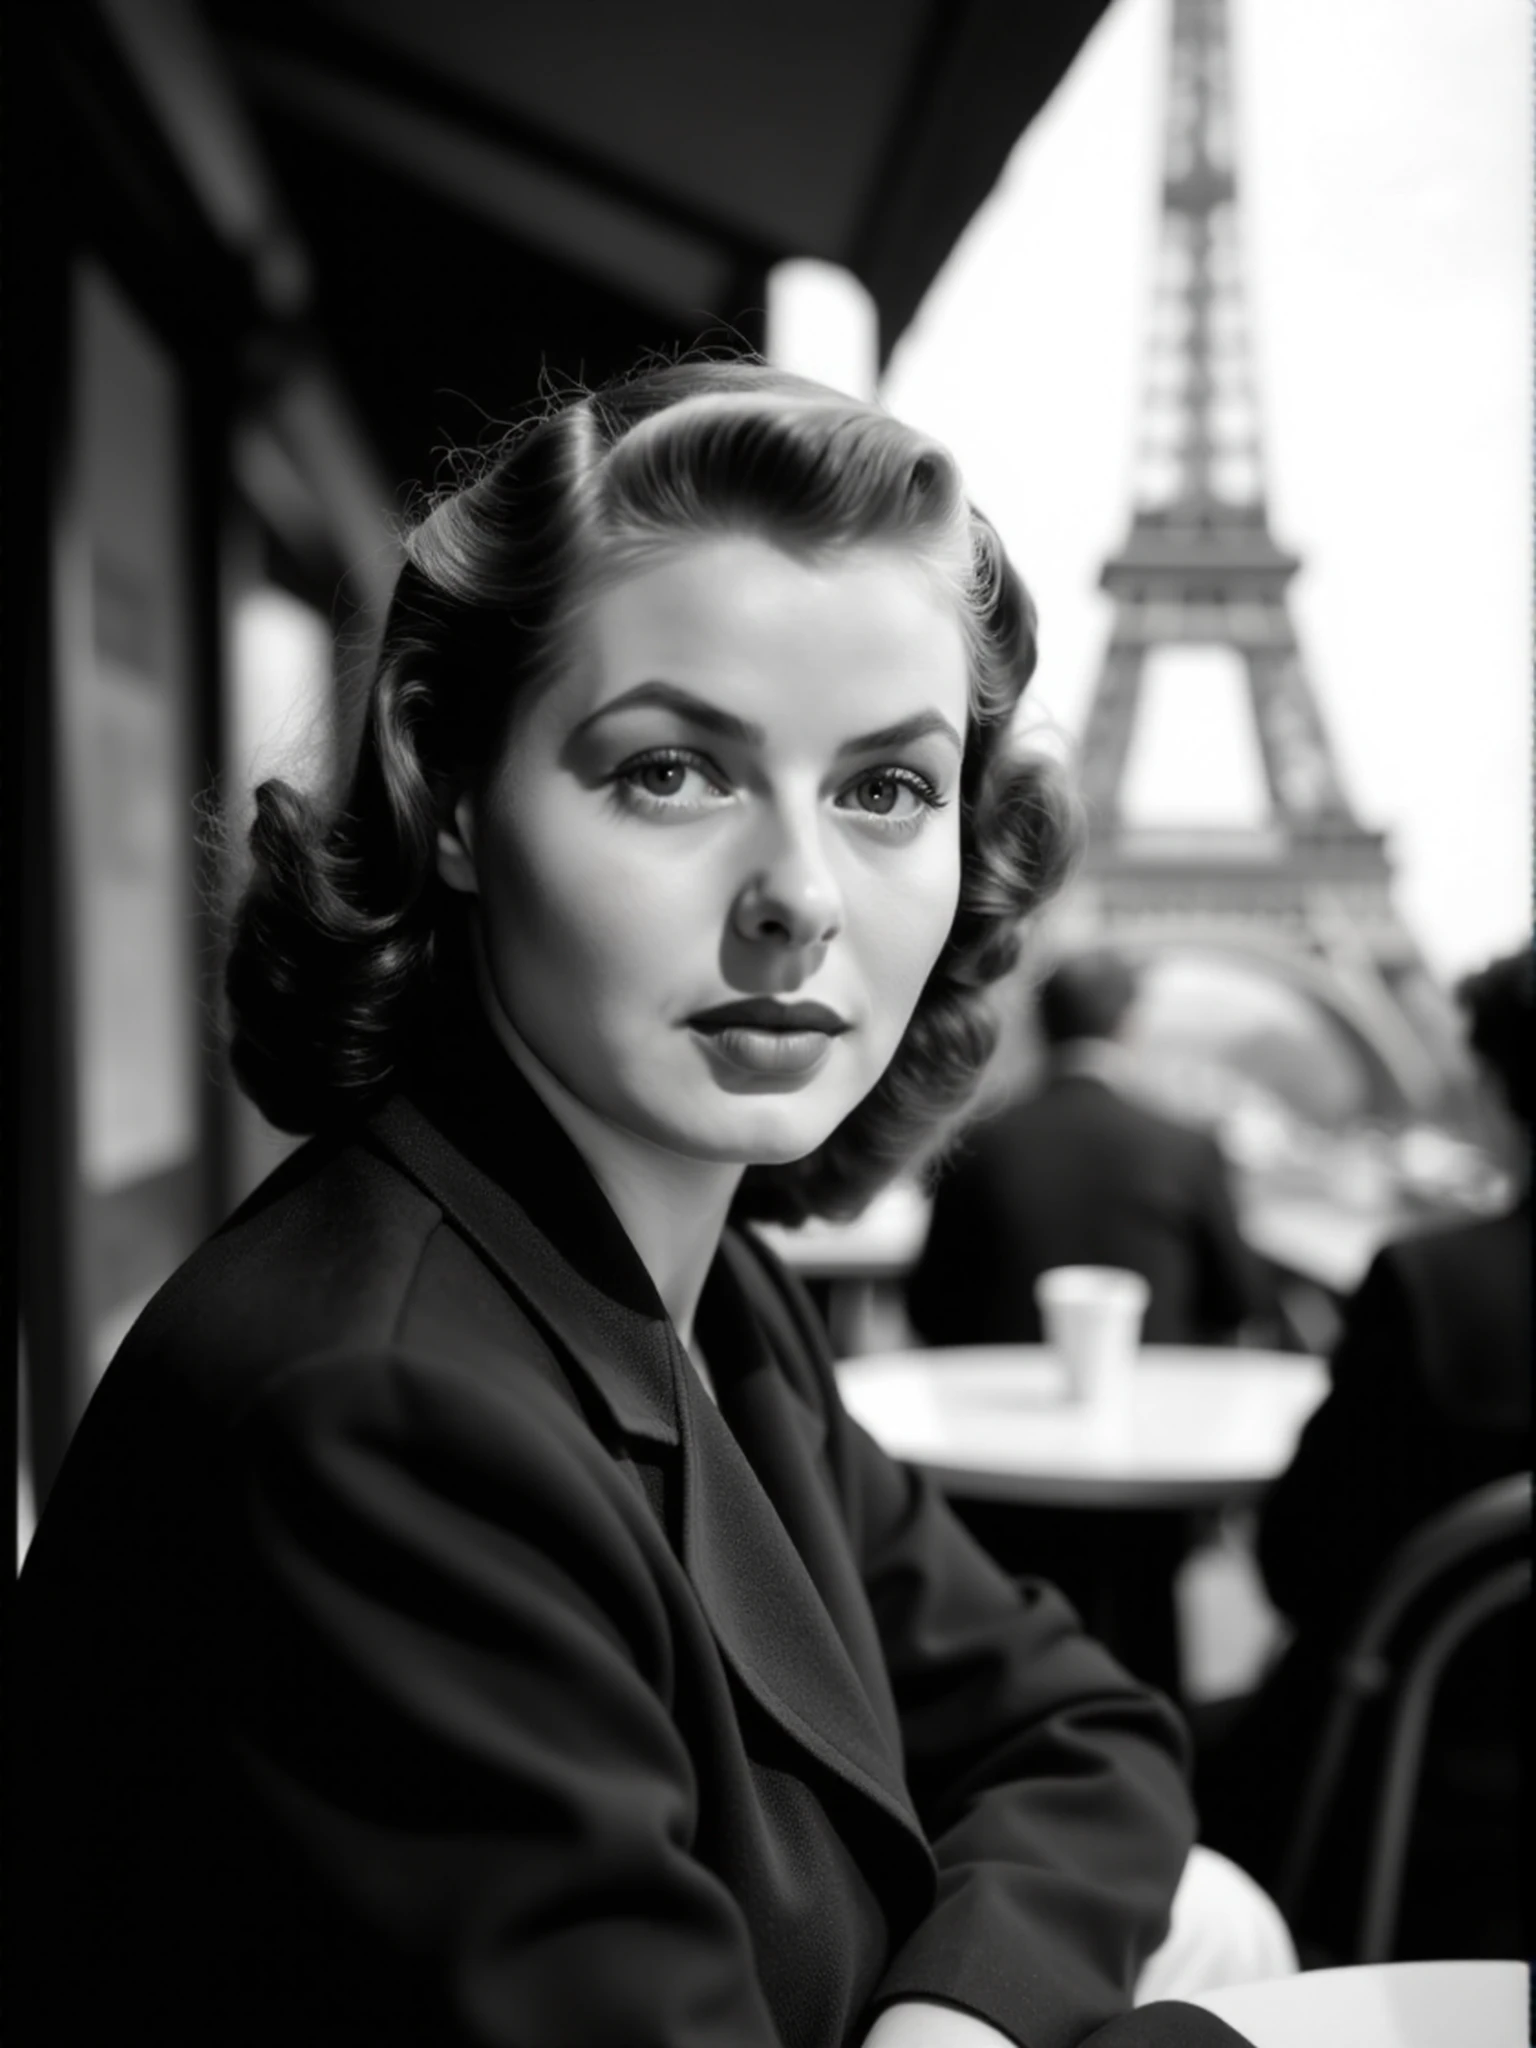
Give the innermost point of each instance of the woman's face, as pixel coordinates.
(721, 853)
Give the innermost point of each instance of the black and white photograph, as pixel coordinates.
(769, 1065)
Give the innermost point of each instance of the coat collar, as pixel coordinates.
(475, 1136)
(759, 1542)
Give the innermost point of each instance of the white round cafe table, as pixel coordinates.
(1381, 2005)
(1203, 1426)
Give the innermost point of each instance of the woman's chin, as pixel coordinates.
(782, 1155)
(783, 1146)
(766, 1140)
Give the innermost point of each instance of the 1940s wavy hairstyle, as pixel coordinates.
(338, 947)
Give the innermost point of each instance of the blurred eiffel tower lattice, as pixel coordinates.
(1308, 892)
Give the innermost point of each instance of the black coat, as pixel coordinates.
(1430, 1397)
(411, 1652)
(1080, 1175)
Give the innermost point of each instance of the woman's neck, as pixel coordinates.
(673, 1208)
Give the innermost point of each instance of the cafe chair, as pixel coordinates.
(1444, 1582)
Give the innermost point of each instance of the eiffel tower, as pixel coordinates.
(1307, 894)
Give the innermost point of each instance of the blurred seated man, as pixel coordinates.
(1431, 1397)
(1082, 1173)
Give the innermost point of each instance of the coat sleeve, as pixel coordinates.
(1051, 1785)
(455, 1724)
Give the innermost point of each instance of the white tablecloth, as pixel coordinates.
(1202, 1426)
(1382, 2005)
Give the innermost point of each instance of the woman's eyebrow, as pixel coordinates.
(903, 733)
(668, 697)
(699, 711)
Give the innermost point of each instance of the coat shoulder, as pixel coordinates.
(1479, 1244)
(1464, 1291)
(1091, 1110)
(339, 1252)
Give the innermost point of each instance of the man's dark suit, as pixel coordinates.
(1430, 1397)
(410, 1652)
(1078, 1174)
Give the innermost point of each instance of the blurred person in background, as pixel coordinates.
(1081, 1172)
(1430, 1398)
(466, 1612)
(1431, 1377)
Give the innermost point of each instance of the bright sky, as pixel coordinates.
(1385, 176)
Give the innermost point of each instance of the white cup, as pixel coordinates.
(1092, 1319)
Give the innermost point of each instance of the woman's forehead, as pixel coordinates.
(735, 609)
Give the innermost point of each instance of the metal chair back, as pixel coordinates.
(1439, 1561)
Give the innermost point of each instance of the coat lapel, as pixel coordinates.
(783, 1435)
(763, 1547)
(822, 1681)
(622, 1342)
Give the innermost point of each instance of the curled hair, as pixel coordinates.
(338, 942)
(1498, 1002)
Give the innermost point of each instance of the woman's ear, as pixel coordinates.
(456, 848)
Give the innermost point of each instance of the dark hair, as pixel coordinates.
(1085, 996)
(330, 977)
(1498, 1003)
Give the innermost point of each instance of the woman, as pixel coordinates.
(503, 1635)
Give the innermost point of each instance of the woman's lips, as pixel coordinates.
(767, 1038)
(769, 1052)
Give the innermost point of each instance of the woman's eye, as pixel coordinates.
(880, 794)
(899, 795)
(661, 778)
(672, 780)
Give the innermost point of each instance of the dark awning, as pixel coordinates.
(646, 160)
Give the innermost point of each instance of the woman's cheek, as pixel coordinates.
(924, 910)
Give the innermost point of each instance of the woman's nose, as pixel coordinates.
(792, 898)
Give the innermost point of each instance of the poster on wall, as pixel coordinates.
(138, 1051)
(130, 847)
